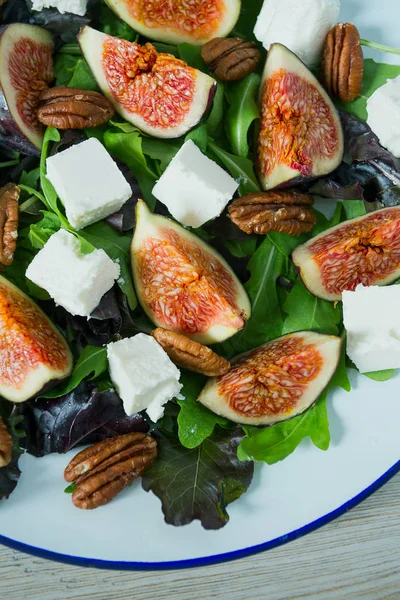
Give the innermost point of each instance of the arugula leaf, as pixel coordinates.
(240, 168)
(306, 311)
(269, 261)
(50, 195)
(40, 233)
(113, 25)
(128, 148)
(162, 151)
(198, 483)
(242, 112)
(192, 56)
(199, 135)
(195, 421)
(214, 119)
(91, 364)
(242, 248)
(381, 375)
(82, 77)
(354, 208)
(116, 245)
(247, 19)
(375, 75)
(9, 475)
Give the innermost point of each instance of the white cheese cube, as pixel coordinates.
(143, 374)
(300, 25)
(372, 319)
(75, 281)
(384, 115)
(77, 7)
(193, 187)
(88, 182)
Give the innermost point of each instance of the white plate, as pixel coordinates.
(285, 501)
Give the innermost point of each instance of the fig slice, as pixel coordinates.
(183, 284)
(276, 381)
(362, 250)
(178, 21)
(300, 134)
(26, 70)
(33, 353)
(158, 93)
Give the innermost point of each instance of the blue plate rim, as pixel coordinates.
(206, 560)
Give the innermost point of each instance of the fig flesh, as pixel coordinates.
(178, 21)
(33, 353)
(183, 284)
(300, 134)
(26, 70)
(276, 381)
(362, 250)
(158, 93)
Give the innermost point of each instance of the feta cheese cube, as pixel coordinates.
(75, 281)
(78, 7)
(301, 26)
(193, 187)
(383, 109)
(143, 374)
(88, 182)
(372, 319)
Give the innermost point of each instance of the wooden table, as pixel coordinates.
(357, 557)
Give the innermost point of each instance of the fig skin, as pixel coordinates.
(155, 227)
(305, 165)
(20, 338)
(14, 134)
(310, 272)
(328, 349)
(169, 35)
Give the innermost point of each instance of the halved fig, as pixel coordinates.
(178, 21)
(26, 70)
(300, 133)
(276, 381)
(33, 353)
(156, 92)
(363, 250)
(183, 284)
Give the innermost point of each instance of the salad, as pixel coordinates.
(174, 304)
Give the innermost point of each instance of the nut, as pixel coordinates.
(9, 212)
(231, 59)
(6, 445)
(189, 354)
(71, 108)
(342, 66)
(285, 211)
(103, 470)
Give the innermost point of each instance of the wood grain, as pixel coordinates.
(357, 557)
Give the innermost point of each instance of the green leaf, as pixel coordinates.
(64, 67)
(70, 489)
(375, 75)
(381, 375)
(82, 77)
(270, 260)
(199, 136)
(354, 208)
(214, 120)
(198, 483)
(162, 151)
(113, 25)
(192, 56)
(247, 19)
(40, 233)
(91, 364)
(128, 148)
(243, 111)
(102, 235)
(242, 248)
(9, 475)
(240, 168)
(50, 195)
(195, 421)
(307, 312)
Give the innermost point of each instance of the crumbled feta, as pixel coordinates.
(78, 7)
(372, 319)
(194, 188)
(384, 115)
(300, 25)
(143, 374)
(88, 182)
(75, 281)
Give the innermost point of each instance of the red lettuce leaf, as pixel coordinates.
(9, 475)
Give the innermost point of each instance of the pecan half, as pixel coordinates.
(5, 445)
(285, 211)
(231, 59)
(342, 66)
(103, 470)
(9, 213)
(71, 108)
(189, 354)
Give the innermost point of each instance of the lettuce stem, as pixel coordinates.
(380, 47)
